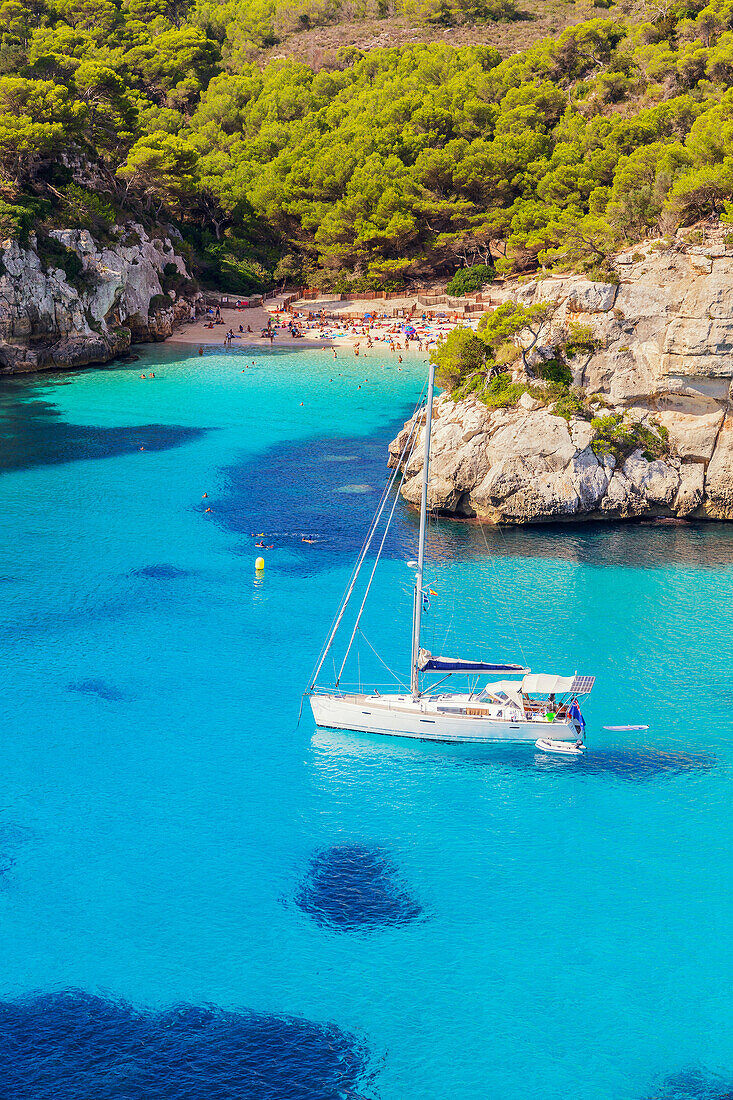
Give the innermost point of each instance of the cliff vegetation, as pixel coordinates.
(366, 168)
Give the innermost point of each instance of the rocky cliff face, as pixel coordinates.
(54, 313)
(664, 355)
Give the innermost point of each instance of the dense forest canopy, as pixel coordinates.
(387, 165)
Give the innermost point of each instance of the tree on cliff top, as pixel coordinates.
(461, 354)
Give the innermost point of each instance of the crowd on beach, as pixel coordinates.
(415, 330)
(412, 332)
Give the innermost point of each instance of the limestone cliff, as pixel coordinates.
(663, 356)
(67, 300)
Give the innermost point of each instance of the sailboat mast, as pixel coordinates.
(417, 603)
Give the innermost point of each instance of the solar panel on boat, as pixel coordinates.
(582, 685)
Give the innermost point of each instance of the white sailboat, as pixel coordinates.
(514, 705)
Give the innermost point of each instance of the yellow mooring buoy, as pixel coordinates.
(259, 564)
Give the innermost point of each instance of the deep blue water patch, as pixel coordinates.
(100, 688)
(161, 572)
(72, 1045)
(34, 433)
(693, 1084)
(296, 490)
(302, 488)
(355, 888)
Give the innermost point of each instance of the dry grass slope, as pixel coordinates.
(317, 46)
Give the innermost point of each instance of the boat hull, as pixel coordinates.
(370, 714)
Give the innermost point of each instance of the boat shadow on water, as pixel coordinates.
(630, 764)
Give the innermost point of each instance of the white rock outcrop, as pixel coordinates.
(49, 318)
(665, 353)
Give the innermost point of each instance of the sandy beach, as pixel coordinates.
(344, 327)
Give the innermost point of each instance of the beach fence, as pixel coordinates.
(232, 301)
(478, 303)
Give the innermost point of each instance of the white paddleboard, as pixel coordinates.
(569, 748)
(617, 728)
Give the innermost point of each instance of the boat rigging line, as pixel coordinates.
(399, 471)
(374, 568)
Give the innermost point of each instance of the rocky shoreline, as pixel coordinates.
(68, 301)
(662, 357)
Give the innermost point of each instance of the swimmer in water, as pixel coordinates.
(201, 351)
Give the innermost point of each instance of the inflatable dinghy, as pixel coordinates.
(569, 748)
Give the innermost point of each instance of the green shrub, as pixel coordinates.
(158, 301)
(617, 437)
(15, 221)
(603, 273)
(554, 370)
(473, 384)
(580, 339)
(573, 403)
(468, 280)
(501, 392)
(54, 254)
(461, 354)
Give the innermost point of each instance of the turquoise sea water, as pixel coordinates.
(468, 923)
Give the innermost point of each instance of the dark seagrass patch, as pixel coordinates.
(354, 888)
(71, 1045)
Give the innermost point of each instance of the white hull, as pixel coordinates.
(400, 716)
